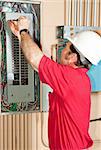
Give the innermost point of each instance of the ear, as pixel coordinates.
(73, 58)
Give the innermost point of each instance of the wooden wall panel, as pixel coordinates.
(88, 12)
(16, 132)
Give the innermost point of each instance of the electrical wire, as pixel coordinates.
(93, 120)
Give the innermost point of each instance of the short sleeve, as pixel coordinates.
(52, 74)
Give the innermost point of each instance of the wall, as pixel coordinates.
(29, 131)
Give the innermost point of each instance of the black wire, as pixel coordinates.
(93, 120)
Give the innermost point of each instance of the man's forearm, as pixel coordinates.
(30, 50)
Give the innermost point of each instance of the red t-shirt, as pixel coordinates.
(69, 105)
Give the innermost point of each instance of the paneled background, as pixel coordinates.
(29, 131)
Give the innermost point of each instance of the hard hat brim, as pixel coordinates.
(94, 59)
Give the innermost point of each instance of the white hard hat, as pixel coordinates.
(89, 44)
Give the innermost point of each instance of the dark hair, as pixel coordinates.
(85, 64)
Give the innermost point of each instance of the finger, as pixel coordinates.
(13, 25)
(14, 28)
(22, 17)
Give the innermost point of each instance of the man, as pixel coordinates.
(69, 104)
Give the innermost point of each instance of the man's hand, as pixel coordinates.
(14, 28)
(17, 25)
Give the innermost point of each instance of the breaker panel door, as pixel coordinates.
(19, 74)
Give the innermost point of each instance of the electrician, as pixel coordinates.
(70, 102)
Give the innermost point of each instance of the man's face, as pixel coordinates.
(67, 56)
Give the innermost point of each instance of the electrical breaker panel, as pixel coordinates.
(20, 84)
(19, 74)
(62, 33)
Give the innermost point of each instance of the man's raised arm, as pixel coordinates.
(30, 49)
